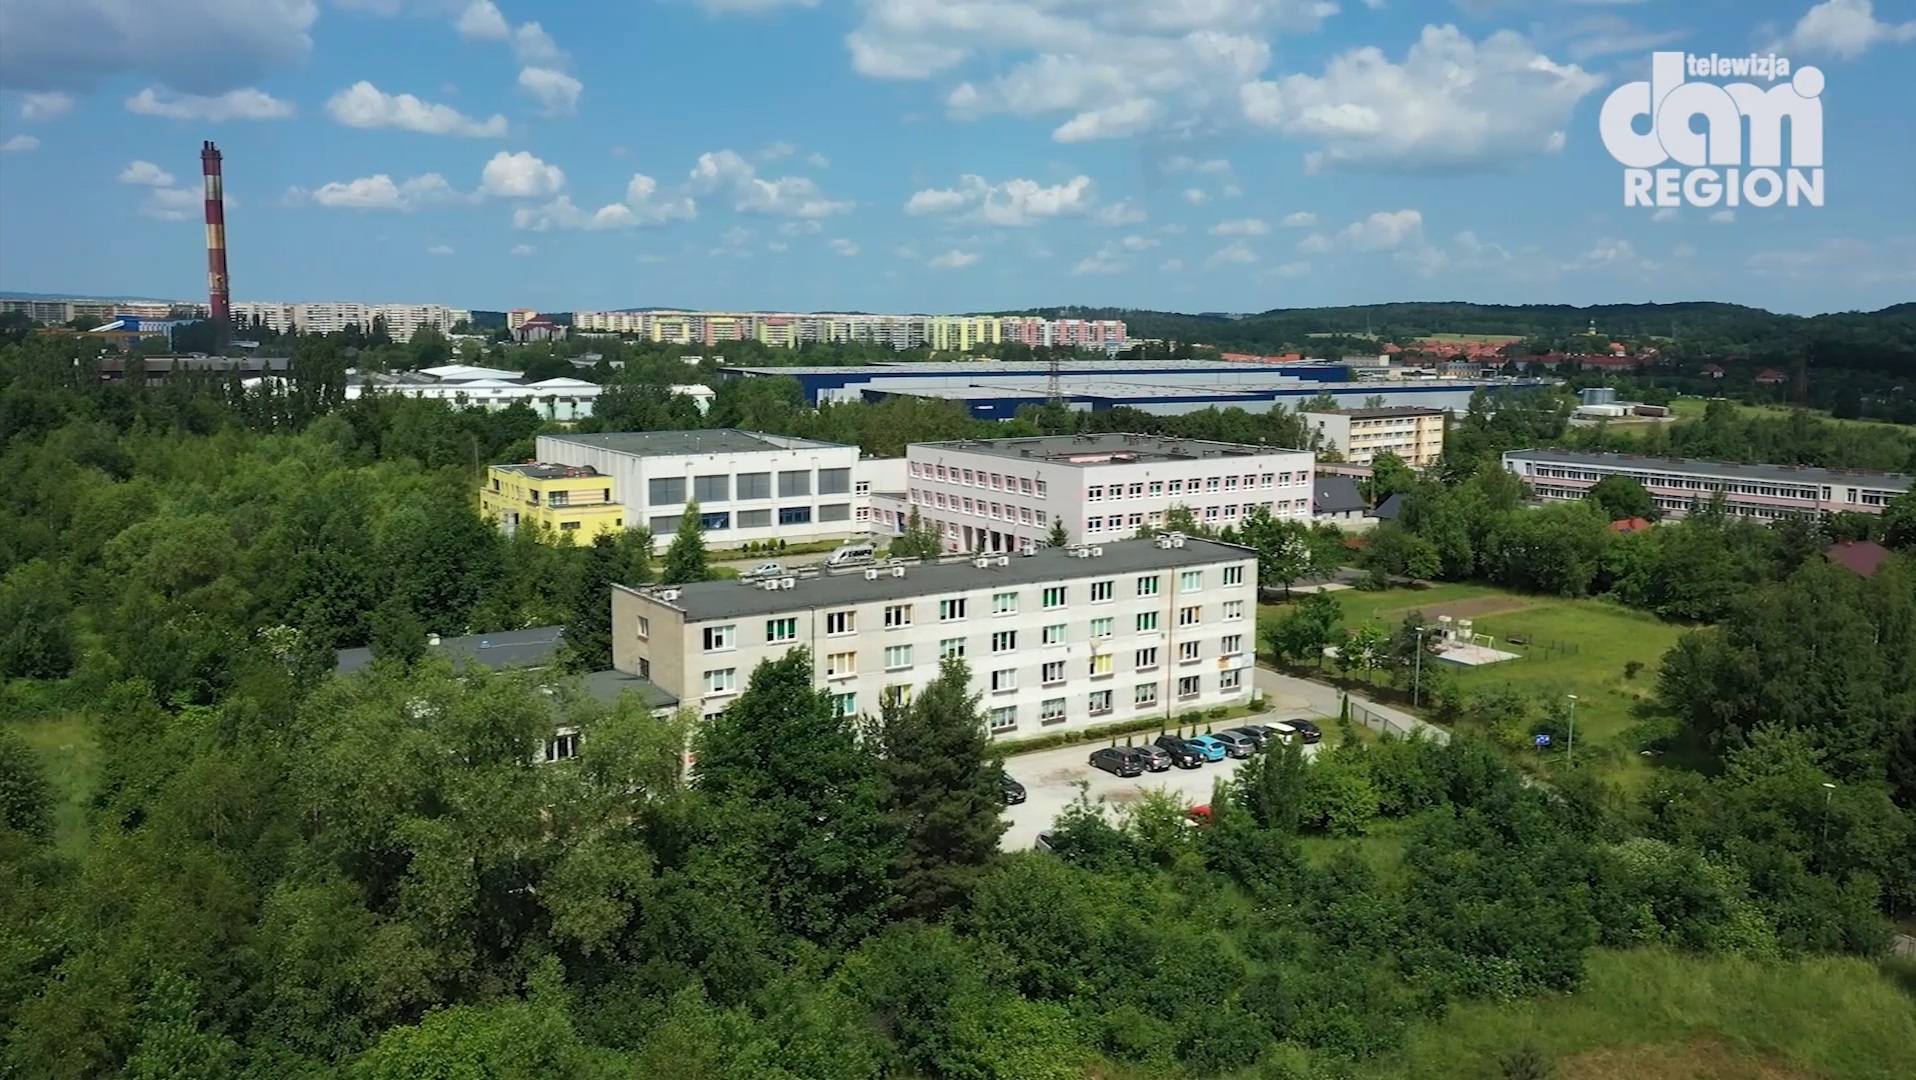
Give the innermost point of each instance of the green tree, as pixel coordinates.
(1273, 786)
(685, 560)
(622, 558)
(1621, 498)
(918, 540)
(1389, 475)
(26, 800)
(942, 791)
(1306, 628)
(1057, 537)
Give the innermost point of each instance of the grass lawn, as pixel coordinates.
(1649, 1015)
(71, 760)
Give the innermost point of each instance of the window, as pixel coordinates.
(898, 694)
(1102, 591)
(1003, 680)
(1157, 487)
(834, 481)
(568, 526)
(1231, 644)
(794, 482)
(722, 681)
(1053, 673)
(1099, 702)
(951, 610)
(1210, 484)
(754, 485)
(1052, 711)
(835, 512)
(1003, 719)
(844, 704)
(1041, 489)
(897, 615)
(1101, 628)
(1234, 575)
(1054, 597)
(1100, 664)
(897, 657)
(563, 747)
(794, 515)
(1144, 695)
(1054, 634)
(1191, 581)
(645, 628)
(666, 489)
(754, 519)
(950, 647)
(1233, 610)
(1187, 651)
(720, 637)
(1147, 622)
(777, 630)
(1188, 686)
(711, 489)
(1093, 524)
(665, 524)
(1230, 681)
(1177, 486)
(840, 664)
(1004, 603)
(1094, 493)
(841, 622)
(1004, 641)
(1190, 616)
(715, 521)
(1148, 586)
(1147, 659)
(1136, 490)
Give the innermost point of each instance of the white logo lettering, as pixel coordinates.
(1717, 164)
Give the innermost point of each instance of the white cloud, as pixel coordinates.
(560, 213)
(1683, 251)
(1246, 227)
(524, 249)
(439, 249)
(1667, 213)
(45, 106)
(1303, 219)
(1122, 212)
(482, 21)
(1014, 202)
(1287, 270)
(19, 144)
(954, 258)
(1138, 243)
(776, 150)
(1723, 217)
(1230, 191)
(199, 46)
(818, 161)
(379, 192)
(1452, 104)
(520, 176)
(173, 204)
(844, 247)
(535, 48)
(146, 173)
(1238, 252)
(1171, 266)
(777, 245)
(558, 93)
(800, 227)
(364, 105)
(787, 196)
(1181, 163)
(642, 196)
(1104, 262)
(1380, 231)
(751, 7)
(1844, 28)
(1196, 196)
(242, 104)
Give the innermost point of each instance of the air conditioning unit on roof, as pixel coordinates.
(897, 571)
(871, 573)
(786, 583)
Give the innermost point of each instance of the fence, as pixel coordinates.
(1378, 722)
(1544, 648)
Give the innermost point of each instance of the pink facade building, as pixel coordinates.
(1766, 492)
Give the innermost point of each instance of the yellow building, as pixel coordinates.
(962, 333)
(566, 500)
(1412, 433)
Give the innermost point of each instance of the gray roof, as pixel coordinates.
(1336, 495)
(606, 686)
(1392, 506)
(1725, 470)
(1381, 412)
(529, 648)
(708, 600)
(1060, 449)
(674, 443)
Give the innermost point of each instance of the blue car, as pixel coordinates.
(1212, 748)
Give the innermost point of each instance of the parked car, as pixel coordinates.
(1014, 791)
(1209, 746)
(1254, 732)
(1044, 843)
(1199, 816)
(1155, 757)
(1183, 754)
(1236, 744)
(1118, 760)
(768, 569)
(1306, 731)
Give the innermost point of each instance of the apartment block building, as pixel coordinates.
(1004, 494)
(53, 312)
(401, 320)
(1061, 638)
(563, 499)
(955, 333)
(1766, 492)
(1414, 434)
(749, 486)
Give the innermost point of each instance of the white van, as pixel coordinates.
(850, 555)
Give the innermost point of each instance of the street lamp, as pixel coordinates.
(1570, 753)
(1417, 678)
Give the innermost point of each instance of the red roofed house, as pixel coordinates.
(1714, 371)
(538, 328)
(1771, 377)
(1630, 525)
(1863, 557)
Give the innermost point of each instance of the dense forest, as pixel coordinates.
(223, 860)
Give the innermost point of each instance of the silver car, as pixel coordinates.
(1155, 757)
(1235, 744)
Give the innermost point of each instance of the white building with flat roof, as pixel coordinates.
(331, 317)
(1766, 492)
(749, 486)
(1060, 639)
(1004, 494)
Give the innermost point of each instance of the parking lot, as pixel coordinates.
(1051, 777)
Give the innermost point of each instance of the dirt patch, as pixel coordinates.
(1698, 1059)
(1478, 608)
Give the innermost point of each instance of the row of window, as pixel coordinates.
(722, 487)
(1156, 488)
(1022, 485)
(841, 665)
(1681, 483)
(1228, 512)
(1669, 504)
(1099, 703)
(721, 520)
(981, 507)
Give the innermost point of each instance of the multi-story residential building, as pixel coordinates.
(956, 333)
(1005, 494)
(56, 312)
(1412, 433)
(563, 499)
(401, 320)
(617, 322)
(1064, 638)
(1675, 484)
(748, 486)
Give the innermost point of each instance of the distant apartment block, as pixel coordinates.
(952, 333)
(52, 312)
(401, 320)
(1414, 434)
(1064, 638)
(1005, 494)
(1767, 492)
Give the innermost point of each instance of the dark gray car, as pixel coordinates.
(1236, 744)
(1155, 758)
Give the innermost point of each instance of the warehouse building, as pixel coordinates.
(826, 383)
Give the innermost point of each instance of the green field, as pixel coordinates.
(71, 760)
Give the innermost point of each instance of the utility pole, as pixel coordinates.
(1417, 678)
(1822, 845)
(1570, 753)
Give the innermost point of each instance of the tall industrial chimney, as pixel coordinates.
(218, 295)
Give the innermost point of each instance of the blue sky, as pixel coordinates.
(929, 155)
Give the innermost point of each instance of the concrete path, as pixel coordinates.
(1287, 693)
